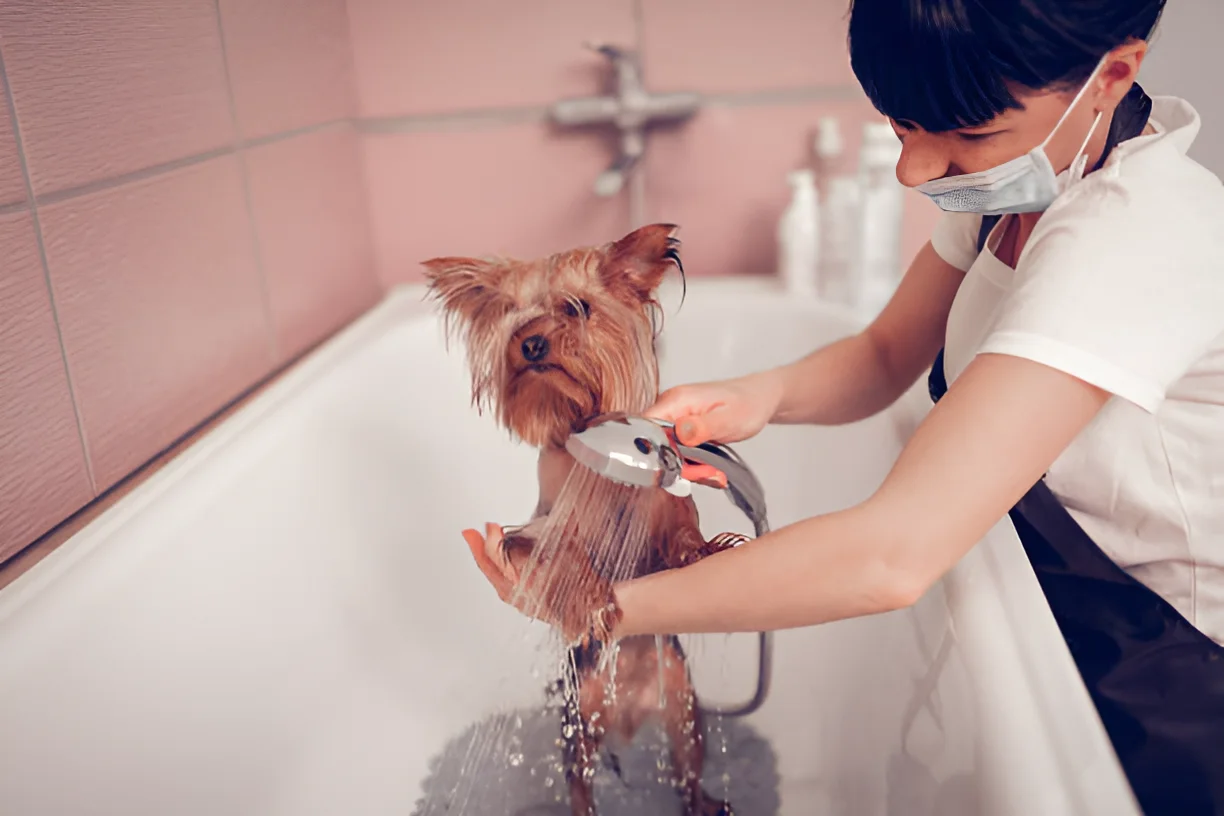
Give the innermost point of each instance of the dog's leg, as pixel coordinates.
(581, 728)
(683, 722)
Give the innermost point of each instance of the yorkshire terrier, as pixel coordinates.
(553, 343)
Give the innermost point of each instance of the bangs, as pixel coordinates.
(922, 61)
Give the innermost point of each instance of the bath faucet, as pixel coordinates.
(630, 108)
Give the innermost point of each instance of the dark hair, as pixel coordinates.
(945, 64)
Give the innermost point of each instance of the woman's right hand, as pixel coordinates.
(723, 411)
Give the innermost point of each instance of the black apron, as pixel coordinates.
(1156, 681)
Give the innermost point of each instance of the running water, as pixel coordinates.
(596, 534)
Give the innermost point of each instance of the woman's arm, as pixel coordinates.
(861, 375)
(986, 442)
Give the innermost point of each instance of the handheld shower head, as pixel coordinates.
(644, 452)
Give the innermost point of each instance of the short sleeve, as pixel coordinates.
(955, 239)
(1126, 297)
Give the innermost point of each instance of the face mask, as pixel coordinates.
(1025, 184)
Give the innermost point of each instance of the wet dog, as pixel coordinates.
(553, 343)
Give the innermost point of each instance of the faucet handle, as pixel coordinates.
(612, 52)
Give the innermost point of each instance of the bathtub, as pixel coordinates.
(284, 620)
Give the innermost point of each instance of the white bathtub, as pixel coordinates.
(285, 621)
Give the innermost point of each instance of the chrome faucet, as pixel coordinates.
(630, 108)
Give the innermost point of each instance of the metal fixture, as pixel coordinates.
(630, 108)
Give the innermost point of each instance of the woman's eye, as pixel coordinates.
(581, 308)
(975, 137)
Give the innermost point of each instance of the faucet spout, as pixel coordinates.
(630, 108)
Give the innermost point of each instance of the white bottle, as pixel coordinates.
(799, 236)
(878, 257)
(838, 215)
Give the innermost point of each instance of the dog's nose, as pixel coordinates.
(535, 348)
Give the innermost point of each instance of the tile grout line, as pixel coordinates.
(363, 176)
(265, 289)
(32, 205)
(154, 170)
(410, 123)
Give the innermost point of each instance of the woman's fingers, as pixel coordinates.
(707, 475)
(492, 569)
(693, 430)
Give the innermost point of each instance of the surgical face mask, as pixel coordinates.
(1027, 183)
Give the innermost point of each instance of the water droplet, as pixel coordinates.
(516, 760)
(548, 782)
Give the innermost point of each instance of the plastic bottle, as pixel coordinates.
(878, 257)
(799, 236)
(838, 214)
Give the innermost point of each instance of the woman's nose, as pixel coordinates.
(922, 160)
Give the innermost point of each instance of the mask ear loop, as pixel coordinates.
(1076, 171)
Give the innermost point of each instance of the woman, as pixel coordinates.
(1082, 335)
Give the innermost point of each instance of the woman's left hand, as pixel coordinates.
(563, 605)
(492, 560)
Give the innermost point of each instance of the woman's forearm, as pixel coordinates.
(820, 569)
(861, 375)
(843, 382)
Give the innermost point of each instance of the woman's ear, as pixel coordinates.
(1119, 73)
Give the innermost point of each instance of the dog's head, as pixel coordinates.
(554, 341)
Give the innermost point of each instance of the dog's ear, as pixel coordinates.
(465, 287)
(639, 261)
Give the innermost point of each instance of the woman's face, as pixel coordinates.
(926, 156)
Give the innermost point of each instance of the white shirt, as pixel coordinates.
(1121, 284)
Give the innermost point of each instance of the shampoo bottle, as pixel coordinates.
(878, 257)
(839, 197)
(799, 236)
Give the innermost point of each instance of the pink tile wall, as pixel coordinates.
(183, 264)
(43, 477)
(290, 63)
(12, 184)
(728, 46)
(158, 292)
(314, 234)
(110, 87)
(513, 190)
(437, 57)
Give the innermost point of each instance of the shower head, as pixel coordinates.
(644, 452)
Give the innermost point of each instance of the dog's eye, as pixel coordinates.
(573, 310)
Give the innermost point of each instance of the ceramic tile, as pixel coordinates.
(12, 184)
(290, 63)
(468, 54)
(109, 87)
(314, 235)
(160, 307)
(722, 46)
(43, 479)
(515, 191)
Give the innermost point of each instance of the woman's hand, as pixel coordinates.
(556, 600)
(492, 560)
(723, 411)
